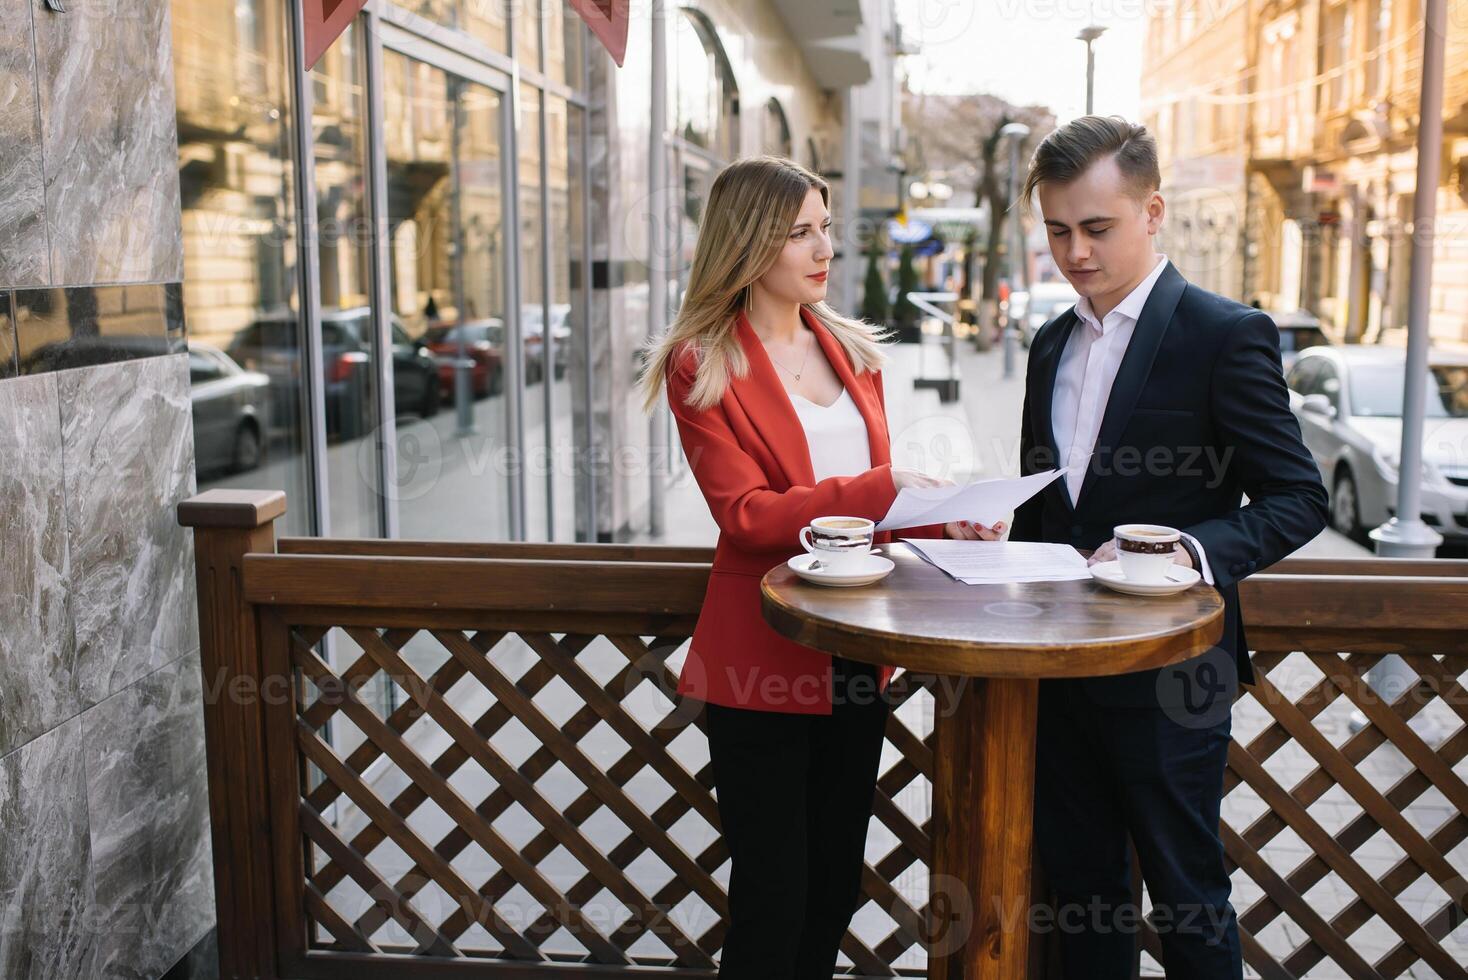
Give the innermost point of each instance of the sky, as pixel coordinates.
(1025, 51)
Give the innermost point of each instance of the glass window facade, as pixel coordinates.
(447, 253)
(564, 37)
(448, 265)
(776, 134)
(486, 21)
(704, 101)
(344, 274)
(237, 183)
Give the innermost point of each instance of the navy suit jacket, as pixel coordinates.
(1198, 418)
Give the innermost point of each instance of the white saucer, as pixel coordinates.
(1180, 578)
(873, 568)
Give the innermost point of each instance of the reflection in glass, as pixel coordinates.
(446, 255)
(703, 99)
(528, 17)
(775, 140)
(344, 232)
(438, 11)
(236, 189)
(485, 21)
(564, 37)
(539, 472)
(567, 309)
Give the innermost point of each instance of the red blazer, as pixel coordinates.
(752, 463)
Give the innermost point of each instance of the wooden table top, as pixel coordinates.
(921, 619)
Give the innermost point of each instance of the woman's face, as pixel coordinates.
(799, 273)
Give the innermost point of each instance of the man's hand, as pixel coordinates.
(1107, 552)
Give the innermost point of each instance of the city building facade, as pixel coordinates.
(1192, 101)
(1321, 151)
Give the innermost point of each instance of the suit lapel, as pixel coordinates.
(768, 406)
(1136, 363)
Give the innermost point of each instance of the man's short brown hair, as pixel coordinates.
(1070, 151)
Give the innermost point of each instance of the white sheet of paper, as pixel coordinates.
(986, 502)
(995, 562)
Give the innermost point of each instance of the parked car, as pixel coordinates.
(1044, 302)
(1298, 329)
(270, 345)
(231, 409)
(532, 327)
(1348, 400)
(484, 345)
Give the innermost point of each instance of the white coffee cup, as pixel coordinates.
(1145, 551)
(840, 543)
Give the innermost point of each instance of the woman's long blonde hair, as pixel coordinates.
(751, 209)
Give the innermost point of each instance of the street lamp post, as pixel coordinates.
(1407, 535)
(1016, 133)
(1089, 35)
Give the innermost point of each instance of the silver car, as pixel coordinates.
(1045, 301)
(1349, 403)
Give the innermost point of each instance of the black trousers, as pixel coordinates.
(1103, 773)
(795, 797)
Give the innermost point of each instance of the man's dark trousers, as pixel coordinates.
(1156, 777)
(1197, 420)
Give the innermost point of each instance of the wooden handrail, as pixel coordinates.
(389, 582)
(524, 551)
(1433, 568)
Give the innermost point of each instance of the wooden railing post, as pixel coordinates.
(228, 524)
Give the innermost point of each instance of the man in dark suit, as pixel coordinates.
(1164, 404)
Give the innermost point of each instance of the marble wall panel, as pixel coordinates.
(148, 800)
(127, 433)
(24, 254)
(38, 678)
(109, 141)
(46, 885)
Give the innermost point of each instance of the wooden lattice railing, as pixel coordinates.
(428, 760)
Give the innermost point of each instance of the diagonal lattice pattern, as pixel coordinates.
(617, 859)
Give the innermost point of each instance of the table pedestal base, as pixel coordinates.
(983, 805)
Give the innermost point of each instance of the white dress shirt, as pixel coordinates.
(1083, 382)
(836, 434)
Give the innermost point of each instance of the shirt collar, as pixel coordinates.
(1131, 307)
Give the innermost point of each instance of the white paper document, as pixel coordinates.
(1000, 562)
(986, 502)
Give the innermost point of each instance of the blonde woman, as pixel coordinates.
(779, 405)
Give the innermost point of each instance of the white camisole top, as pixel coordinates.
(837, 436)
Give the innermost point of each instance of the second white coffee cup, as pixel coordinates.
(1145, 550)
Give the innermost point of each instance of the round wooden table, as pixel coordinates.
(989, 646)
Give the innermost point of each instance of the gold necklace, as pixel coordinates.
(803, 362)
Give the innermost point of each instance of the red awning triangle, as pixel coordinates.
(608, 21)
(325, 20)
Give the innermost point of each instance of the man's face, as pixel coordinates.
(1101, 233)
